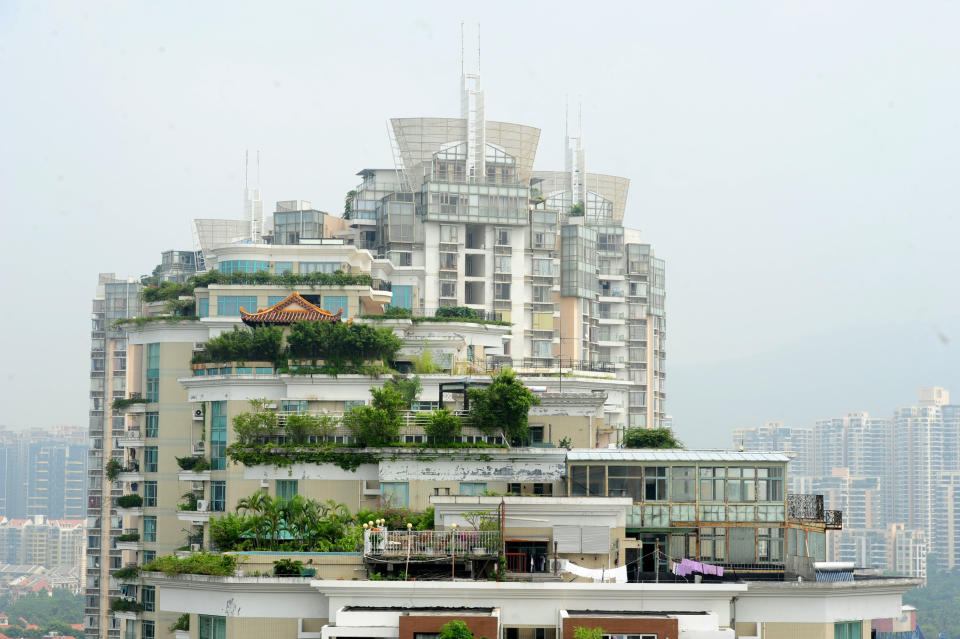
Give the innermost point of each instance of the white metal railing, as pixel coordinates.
(430, 543)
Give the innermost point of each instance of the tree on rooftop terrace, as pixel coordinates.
(377, 424)
(455, 629)
(650, 438)
(503, 407)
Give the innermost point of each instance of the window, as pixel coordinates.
(264, 370)
(655, 483)
(472, 488)
(578, 481)
(536, 434)
(542, 266)
(401, 258)
(448, 261)
(448, 289)
(501, 264)
(274, 299)
(218, 496)
(713, 544)
(230, 305)
(770, 544)
(150, 494)
(625, 481)
(218, 435)
(242, 266)
(501, 291)
(333, 303)
(286, 489)
(402, 296)
(712, 484)
(149, 555)
(150, 457)
(770, 484)
(203, 307)
(395, 494)
(683, 483)
(318, 267)
(588, 480)
(847, 630)
(152, 424)
(713, 513)
(280, 268)
(448, 233)
(153, 372)
(741, 484)
(147, 629)
(212, 627)
(149, 528)
(502, 237)
(148, 597)
(293, 405)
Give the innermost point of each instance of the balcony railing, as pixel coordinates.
(430, 543)
(412, 430)
(833, 519)
(534, 365)
(805, 507)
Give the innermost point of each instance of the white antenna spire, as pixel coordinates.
(252, 203)
(478, 48)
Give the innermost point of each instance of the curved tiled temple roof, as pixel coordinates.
(290, 310)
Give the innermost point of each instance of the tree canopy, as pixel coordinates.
(503, 407)
(650, 438)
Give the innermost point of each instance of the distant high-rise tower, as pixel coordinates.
(252, 201)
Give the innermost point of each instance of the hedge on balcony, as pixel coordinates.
(124, 402)
(443, 314)
(129, 501)
(125, 605)
(201, 563)
(129, 537)
(127, 572)
(195, 463)
(167, 291)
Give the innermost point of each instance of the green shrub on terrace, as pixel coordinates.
(261, 344)
(650, 438)
(129, 537)
(127, 573)
(129, 501)
(112, 469)
(503, 407)
(182, 623)
(194, 463)
(377, 424)
(124, 605)
(124, 402)
(443, 426)
(195, 564)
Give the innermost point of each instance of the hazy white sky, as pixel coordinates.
(795, 163)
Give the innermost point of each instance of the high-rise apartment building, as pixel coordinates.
(115, 299)
(43, 473)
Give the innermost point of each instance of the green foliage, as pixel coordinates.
(503, 407)
(287, 280)
(300, 428)
(483, 519)
(255, 426)
(201, 563)
(287, 568)
(60, 608)
(582, 632)
(129, 537)
(348, 203)
(182, 623)
(165, 291)
(124, 402)
(650, 438)
(127, 573)
(938, 604)
(576, 211)
(459, 312)
(129, 501)
(189, 502)
(289, 454)
(193, 462)
(124, 605)
(564, 443)
(455, 629)
(423, 365)
(398, 312)
(140, 322)
(395, 312)
(261, 344)
(341, 343)
(181, 308)
(377, 424)
(112, 469)
(408, 387)
(443, 426)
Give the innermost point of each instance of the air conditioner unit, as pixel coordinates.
(196, 485)
(198, 346)
(198, 445)
(198, 415)
(264, 483)
(202, 505)
(195, 547)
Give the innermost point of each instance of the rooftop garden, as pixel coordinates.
(500, 409)
(167, 291)
(194, 564)
(309, 347)
(443, 314)
(298, 524)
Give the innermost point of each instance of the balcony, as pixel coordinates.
(194, 475)
(197, 511)
(132, 438)
(805, 507)
(430, 544)
(129, 540)
(833, 519)
(130, 473)
(130, 505)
